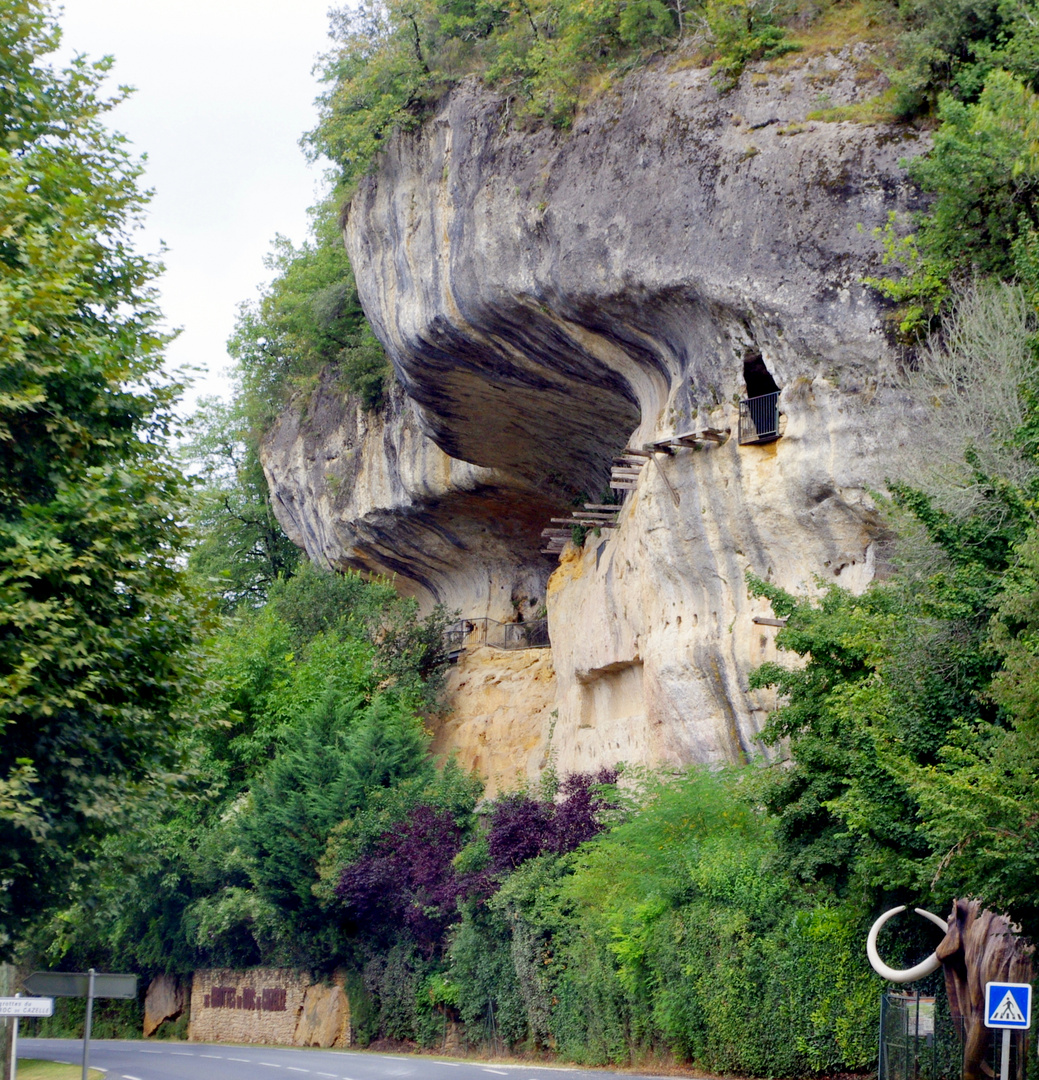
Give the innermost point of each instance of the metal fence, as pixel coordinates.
(919, 1040)
(759, 419)
(471, 633)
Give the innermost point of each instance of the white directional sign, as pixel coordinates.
(1008, 1005)
(26, 1006)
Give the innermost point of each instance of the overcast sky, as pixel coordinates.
(224, 91)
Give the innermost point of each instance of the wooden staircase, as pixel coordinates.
(624, 476)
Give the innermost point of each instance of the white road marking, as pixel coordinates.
(218, 1057)
(127, 1076)
(118, 1048)
(269, 1064)
(245, 1060)
(497, 1072)
(292, 1068)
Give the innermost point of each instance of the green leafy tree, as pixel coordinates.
(308, 321)
(95, 623)
(239, 549)
(984, 171)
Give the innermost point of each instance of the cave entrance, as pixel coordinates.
(759, 410)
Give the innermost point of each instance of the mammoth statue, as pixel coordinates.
(979, 947)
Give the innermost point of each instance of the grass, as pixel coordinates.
(31, 1069)
(875, 110)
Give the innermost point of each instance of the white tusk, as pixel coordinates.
(926, 967)
(942, 924)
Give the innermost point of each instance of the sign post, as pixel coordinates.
(17, 1006)
(1008, 1007)
(89, 1021)
(14, 1043)
(89, 984)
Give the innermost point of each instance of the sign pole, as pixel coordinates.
(87, 1022)
(1004, 1061)
(14, 1046)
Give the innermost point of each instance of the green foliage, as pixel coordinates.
(922, 286)
(95, 617)
(239, 549)
(675, 931)
(111, 1020)
(489, 1001)
(745, 30)
(307, 323)
(312, 720)
(393, 60)
(978, 800)
(984, 171)
(953, 47)
(914, 755)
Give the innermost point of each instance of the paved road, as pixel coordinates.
(197, 1061)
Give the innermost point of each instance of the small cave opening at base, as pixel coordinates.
(759, 410)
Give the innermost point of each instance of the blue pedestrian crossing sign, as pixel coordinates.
(1008, 1005)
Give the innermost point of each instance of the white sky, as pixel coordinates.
(224, 91)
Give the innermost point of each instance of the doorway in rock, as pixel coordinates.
(759, 410)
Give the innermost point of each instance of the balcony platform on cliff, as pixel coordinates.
(759, 419)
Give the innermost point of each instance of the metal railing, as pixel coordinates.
(759, 419)
(472, 633)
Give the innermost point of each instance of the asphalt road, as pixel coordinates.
(197, 1061)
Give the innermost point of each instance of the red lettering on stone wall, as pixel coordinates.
(270, 999)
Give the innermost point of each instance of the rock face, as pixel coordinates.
(374, 493)
(166, 999)
(500, 724)
(548, 299)
(325, 1019)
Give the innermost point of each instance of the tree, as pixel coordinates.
(984, 172)
(308, 321)
(95, 622)
(240, 549)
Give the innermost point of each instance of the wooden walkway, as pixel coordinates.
(624, 476)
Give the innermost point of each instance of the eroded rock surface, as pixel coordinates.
(549, 298)
(374, 493)
(500, 724)
(165, 1000)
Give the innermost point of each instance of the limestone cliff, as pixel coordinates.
(549, 298)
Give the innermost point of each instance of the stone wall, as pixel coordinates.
(268, 1005)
